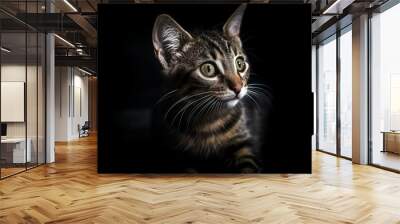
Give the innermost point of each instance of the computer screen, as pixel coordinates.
(3, 129)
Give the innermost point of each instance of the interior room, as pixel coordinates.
(59, 129)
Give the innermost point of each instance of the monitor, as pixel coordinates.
(3, 129)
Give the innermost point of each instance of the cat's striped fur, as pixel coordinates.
(205, 119)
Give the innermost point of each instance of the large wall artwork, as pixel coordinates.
(204, 88)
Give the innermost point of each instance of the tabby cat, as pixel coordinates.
(205, 120)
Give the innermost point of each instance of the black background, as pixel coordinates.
(277, 39)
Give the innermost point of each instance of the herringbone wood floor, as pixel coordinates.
(70, 191)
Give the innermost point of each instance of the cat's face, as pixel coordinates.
(210, 63)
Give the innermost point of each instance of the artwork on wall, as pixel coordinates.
(204, 88)
(12, 101)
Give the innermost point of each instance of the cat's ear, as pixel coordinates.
(232, 26)
(168, 39)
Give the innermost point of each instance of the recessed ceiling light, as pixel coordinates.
(65, 41)
(337, 6)
(70, 5)
(5, 50)
(84, 71)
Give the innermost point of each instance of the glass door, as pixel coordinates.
(327, 95)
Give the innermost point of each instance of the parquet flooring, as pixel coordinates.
(71, 191)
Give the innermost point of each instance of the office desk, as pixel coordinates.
(13, 150)
(391, 141)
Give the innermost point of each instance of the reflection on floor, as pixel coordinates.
(10, 169)
(386, 159)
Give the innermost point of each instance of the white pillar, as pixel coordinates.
(50, 91)
(360, 90)
(63, 99)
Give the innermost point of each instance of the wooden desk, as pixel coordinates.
(13, 150)
(391, 141)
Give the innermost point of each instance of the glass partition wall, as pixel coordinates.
(345, 91)
(334, 93)
(22, 78)
(327, 95)
(385, 89)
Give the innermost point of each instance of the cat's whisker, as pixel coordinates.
(181, 100)
(259, 84)
(193, 109)
(200, 113)
(219, 106)
(249, 95)
(259, 91)
(192, 112)
(263, 95)
(183, 109)
(201, 99)
(207, 108)
(263, 86)
(173, 105)
(211, 107)
(165, 96)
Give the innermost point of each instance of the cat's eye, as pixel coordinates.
(240, 64)
(208, 69)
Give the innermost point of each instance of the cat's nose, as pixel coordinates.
(236, 88)
(235, 84)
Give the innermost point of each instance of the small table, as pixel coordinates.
(391, 141)
(13, 150)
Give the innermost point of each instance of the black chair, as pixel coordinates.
(84, 130)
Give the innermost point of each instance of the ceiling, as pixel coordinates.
(76, 20)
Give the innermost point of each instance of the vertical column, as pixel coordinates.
(314, 86)
(50, 92)
(360, 90)
(338, 97)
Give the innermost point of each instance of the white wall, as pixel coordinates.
(62, 81)
(71, 102)
(81, 102)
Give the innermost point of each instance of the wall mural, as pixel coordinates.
(205, 88)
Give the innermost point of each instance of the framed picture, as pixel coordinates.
(204, 88)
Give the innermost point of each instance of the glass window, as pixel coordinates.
(22, 88)
(15, 152)
(327, 96)
(346, 94)
(385, 88)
